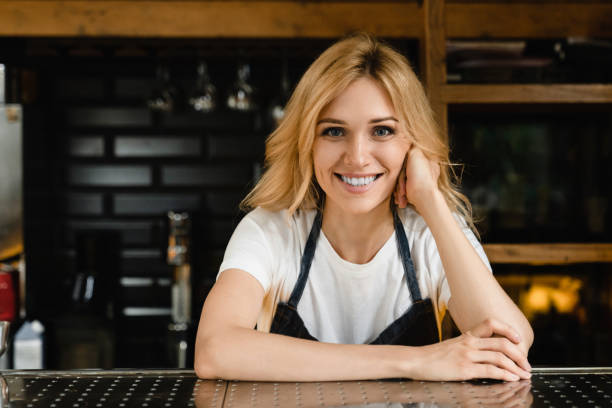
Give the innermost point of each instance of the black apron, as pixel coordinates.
(416, 327)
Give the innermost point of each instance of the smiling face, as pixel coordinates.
(359, 149)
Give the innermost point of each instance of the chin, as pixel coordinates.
(363, 208)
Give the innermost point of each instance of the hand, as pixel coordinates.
(474, 354)
(418, 178)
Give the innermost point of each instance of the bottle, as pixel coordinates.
(28, 346)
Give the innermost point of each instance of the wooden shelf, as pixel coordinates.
(208, 19)
(519, 93)
(548, 254)
(293, 19)
(533, 20)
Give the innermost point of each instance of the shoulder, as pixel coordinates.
(419, 234)
(278, 224)
(422, 241)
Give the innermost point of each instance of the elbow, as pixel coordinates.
(205, 359)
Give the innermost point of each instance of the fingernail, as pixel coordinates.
(517, 337)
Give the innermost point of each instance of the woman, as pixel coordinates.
(357, 244)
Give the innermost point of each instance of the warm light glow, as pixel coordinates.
(544, 293)
(566, 297)
(537, 300)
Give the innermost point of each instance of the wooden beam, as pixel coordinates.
(293, 19)
(518, 93)
(548, 254)
(210, 19)
(534, 20)
(433, 59)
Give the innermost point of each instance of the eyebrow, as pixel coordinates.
(341, 122)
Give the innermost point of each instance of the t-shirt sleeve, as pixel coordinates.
(249, 250)
(444, 293)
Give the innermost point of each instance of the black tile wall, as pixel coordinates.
(229, 146)
(169, 146)
(109, 175)
(133, 233)
(108, 117)
(154, 204)
(90, 146)
(239, 122)
(220, 232)
(222, 203)
(82, 204)
(81, 89)
(145, 263)
(132, 88)
(211, 175)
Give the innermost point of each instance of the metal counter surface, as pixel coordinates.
(548, 387)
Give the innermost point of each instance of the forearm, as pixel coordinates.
(246, 354)
(475, 293)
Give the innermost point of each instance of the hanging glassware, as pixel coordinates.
(204, 97)
(241, 95)
(164, 95)
(276, 111)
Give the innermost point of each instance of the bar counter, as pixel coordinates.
(548, 387)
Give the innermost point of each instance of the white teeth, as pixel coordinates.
(358, 181)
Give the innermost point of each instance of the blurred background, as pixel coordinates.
(131, 130)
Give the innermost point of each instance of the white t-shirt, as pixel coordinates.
(342, 302)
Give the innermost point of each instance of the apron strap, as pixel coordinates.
(306, 261)
(404, 250)
(311, 243)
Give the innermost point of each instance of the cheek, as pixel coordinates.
(319, 163)
(394, 158)
(324, 158)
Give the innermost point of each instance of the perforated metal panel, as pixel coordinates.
(182, 389)
(111, 390)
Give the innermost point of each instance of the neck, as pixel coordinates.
(357, 238)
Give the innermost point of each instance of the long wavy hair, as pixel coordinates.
(288, 180)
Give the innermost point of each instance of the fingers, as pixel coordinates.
(500, 360)
(493, 326)
(493, 372)
(400, 188)
(403, 201)
(509, 349)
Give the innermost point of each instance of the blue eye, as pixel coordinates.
(382, 131)
(333, 131)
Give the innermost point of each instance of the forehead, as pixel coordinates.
(364, 98)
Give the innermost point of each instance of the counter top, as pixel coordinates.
(548, 387)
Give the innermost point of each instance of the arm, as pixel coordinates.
(476, 295)
(228, 347)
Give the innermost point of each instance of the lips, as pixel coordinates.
(356, 181)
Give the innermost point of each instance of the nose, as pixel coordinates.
(357, 151)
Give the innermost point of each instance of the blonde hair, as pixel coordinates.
(288, 180)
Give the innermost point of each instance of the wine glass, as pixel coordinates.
(241, 94)
(164, 95)
(204, 97)
(276, 111)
